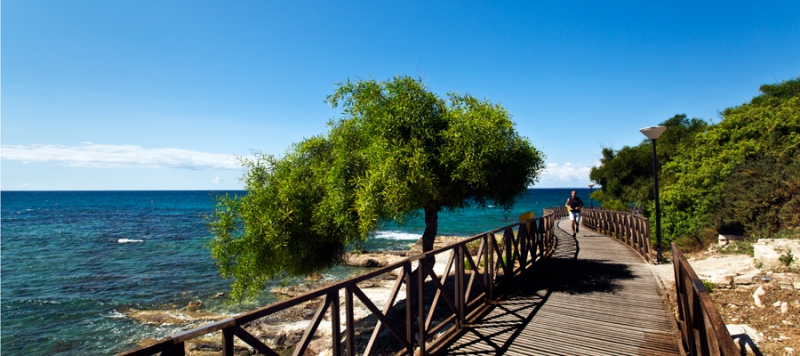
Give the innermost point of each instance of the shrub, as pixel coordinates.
(787, 258)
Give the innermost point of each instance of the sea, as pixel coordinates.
(73, 261)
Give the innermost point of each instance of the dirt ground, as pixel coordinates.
(777, 322)
(778, 329)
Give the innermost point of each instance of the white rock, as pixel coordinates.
(784, 308)
(722, 270)
(768, 251)
(740, 330)
(776, 304)
(745, 279)
(757, 296)
(796, 285)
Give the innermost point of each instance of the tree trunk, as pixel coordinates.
(429, 236)
(431, 228)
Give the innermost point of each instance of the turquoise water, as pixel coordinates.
(71, 261)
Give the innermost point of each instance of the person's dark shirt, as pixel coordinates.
(575, 204)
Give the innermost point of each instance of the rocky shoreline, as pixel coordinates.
(282, 330)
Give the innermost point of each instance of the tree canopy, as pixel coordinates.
(399, 151)
(762, 134)
(626, 175)
(737, 176)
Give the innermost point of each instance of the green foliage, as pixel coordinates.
(762, 197)
(767, 128)
(738, 248)
(708, 285)
(399, 150)
(787, 258)
(626, 175)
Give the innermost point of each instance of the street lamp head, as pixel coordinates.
(653, 132)
(591, 186)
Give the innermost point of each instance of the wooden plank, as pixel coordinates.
(624, 314)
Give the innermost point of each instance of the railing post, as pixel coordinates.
(178, 349)
(350, 337)
(421, 303)
(490, 266)
(460, 304)
(486, 275)
(508, 239)
(336, 332)
(227, 342)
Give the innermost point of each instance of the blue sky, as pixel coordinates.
(164, 95)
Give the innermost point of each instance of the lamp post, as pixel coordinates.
(653, 133)
(591, 185)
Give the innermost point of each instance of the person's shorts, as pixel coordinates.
(575, 215)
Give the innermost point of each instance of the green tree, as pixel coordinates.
(398, 152)
(626, 175)
(767, 130)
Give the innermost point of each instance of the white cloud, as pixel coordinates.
(87, 154)
(217, 180)
(566, 175)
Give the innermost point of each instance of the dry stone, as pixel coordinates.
(757, 296)
(769, 251)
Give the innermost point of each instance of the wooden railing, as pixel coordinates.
(632, 229)
(558, 212)
(475, 282)
(702, 330)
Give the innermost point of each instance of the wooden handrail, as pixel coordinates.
(702, 329)
(559, 212)
(499, 262)
(631, 229)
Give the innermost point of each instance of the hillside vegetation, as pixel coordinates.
(739, 176)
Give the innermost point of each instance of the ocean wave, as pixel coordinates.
(124, 241)
(396, 235)
(114, 314)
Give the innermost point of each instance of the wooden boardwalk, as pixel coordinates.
(595, 296)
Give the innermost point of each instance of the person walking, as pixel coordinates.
(574, 205)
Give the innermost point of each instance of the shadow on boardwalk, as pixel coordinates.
(591, 294)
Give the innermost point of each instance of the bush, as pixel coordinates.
(787, 258)
(763, 197)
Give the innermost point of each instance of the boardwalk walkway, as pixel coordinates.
(595, 296)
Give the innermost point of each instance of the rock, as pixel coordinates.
(313, 277)
(796, 285)
(745, 279)
(145, 342)
(219, 295)
(726, 270)
(784, 308)
(726, 239)
(757, 296)
(440, 241)
(776, 304)
(768, 251)
(194, 305)
(171, 317)
(371, 259)
(288, 338)
(744, 334)
(288, 292)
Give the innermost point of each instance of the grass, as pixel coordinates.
(737, 248)
(709, 286)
